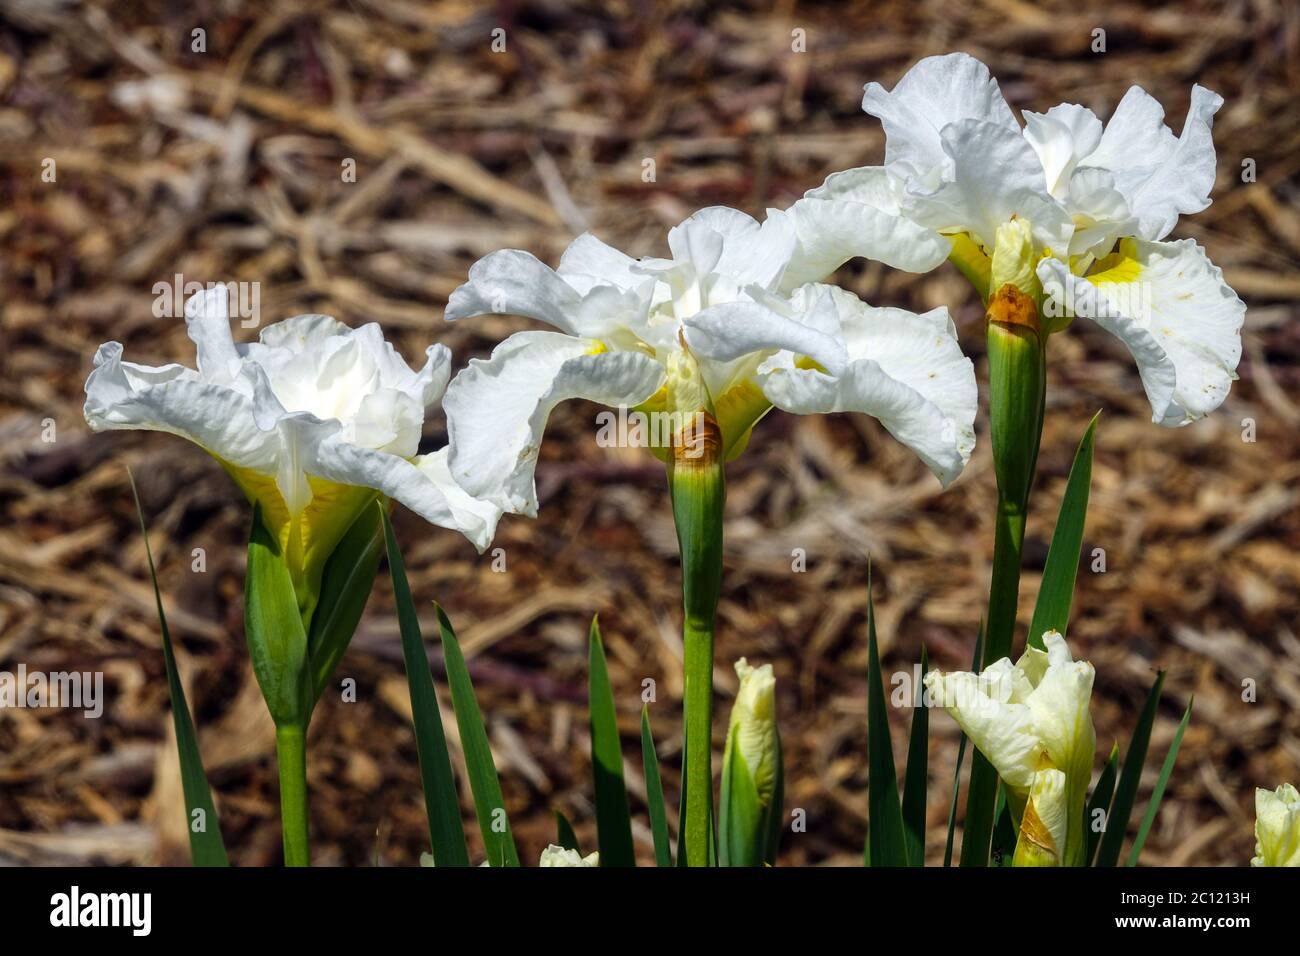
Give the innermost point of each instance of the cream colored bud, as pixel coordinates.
(753, 725)
(1277, 827)
(558, 856)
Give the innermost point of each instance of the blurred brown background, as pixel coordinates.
(226, 165)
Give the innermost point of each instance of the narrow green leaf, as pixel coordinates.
(564, 835)
(206, 846)
(613, 818)
(277, 642)
(1158, 793)
(1126, 791)
(346, 583)
(961, 754)
(654, 792)
(917, 774)
(1056, 593)
(489, 803)
(441, 803)
(886, 840)
(1100, 800)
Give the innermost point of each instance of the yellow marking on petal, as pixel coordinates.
(656, 403)
(598, 349)
(810, 364)
(972, 262)
(1121, 267)
(738, 410)
(1122, 272)
(309, 538)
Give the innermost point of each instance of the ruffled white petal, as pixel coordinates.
(589, 262)
(122, 395)
(1003, 732)
(1135, 135)
(518, 283)
(1175, 314)
(736, 330)
(426, 487)
(497, 408)
(1161, 176)
(208, 325)
(832, 229)
(904, 369)
(727, 242)
(937, 91)
(301, 333)
(312, 408)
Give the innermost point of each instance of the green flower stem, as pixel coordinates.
(698, 490)
(981, 798)
(1004, 587)
(291, 755)
(1017, 379)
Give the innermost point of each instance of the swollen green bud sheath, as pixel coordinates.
(697, 489)
(750, 768)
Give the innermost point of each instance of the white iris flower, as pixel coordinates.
(311, 421)
(716, 327)
(1096, 201)
(1031, 720)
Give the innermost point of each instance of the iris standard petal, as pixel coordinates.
(589, 261)
(207, 323)
(1161, 176)
(1062, 137)
(728, 242)
(937, 91)
(995, 177)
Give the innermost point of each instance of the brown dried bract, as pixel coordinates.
(1010, 306)
(698, 444)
